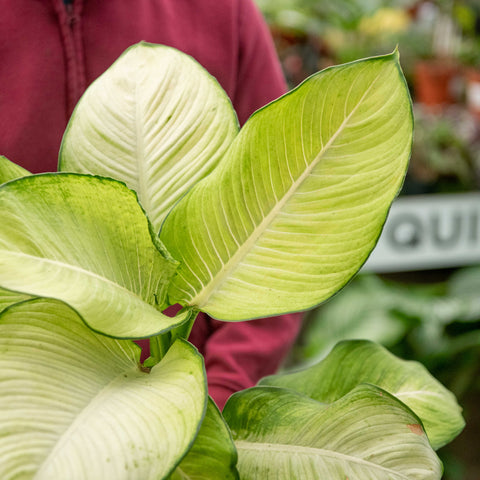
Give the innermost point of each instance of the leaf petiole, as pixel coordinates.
(159, 344)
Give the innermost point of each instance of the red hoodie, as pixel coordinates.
(50, 52)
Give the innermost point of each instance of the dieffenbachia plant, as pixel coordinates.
(160, 199)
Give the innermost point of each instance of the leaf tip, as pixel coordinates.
(395, 55)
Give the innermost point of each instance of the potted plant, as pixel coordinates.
(437, 74)
(444, 153)
(287, 209)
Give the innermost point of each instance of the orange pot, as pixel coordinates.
(435, 82)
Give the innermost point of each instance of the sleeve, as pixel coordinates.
(259, 74)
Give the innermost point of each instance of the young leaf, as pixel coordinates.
(299, 200)
(213, 455)
(365, 435)
(156, 120)
(10, 171)
(87, 242)
(74, 404)
(351, 363)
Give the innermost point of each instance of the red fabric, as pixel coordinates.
(238, 354)
(48, 56)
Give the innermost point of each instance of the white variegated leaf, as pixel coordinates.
(86, 241)
(365, 435)
(76, 405)
(156, 120)
(360, 361)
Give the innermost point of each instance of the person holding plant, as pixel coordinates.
(52, 50)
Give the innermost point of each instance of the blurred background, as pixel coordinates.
(419, 293)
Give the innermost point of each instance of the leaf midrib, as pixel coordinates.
(90, 405)
(311, 451)
(203, 297)
(74, 268)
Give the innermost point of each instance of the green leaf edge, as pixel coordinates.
(234, 457)
(8, 166)
(155, 240)
(196, 352)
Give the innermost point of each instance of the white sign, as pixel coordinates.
(429, 231)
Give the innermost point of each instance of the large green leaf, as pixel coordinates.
(300, 199)
(10, 171)
(351, 363)
(213, 455)
(155, 120)
(366, 435)
(86, 241)
(76, 405)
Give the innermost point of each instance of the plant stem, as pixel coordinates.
(183, 330)
(159, 344)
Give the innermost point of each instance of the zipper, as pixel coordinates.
(69, 8)
(69, 15)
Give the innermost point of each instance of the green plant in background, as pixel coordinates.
(343, 30)
(286, 210)
(427, 322)
(443, 156)
(334, 32)
(314, 16)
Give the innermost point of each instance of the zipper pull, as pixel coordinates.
(69, 7)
